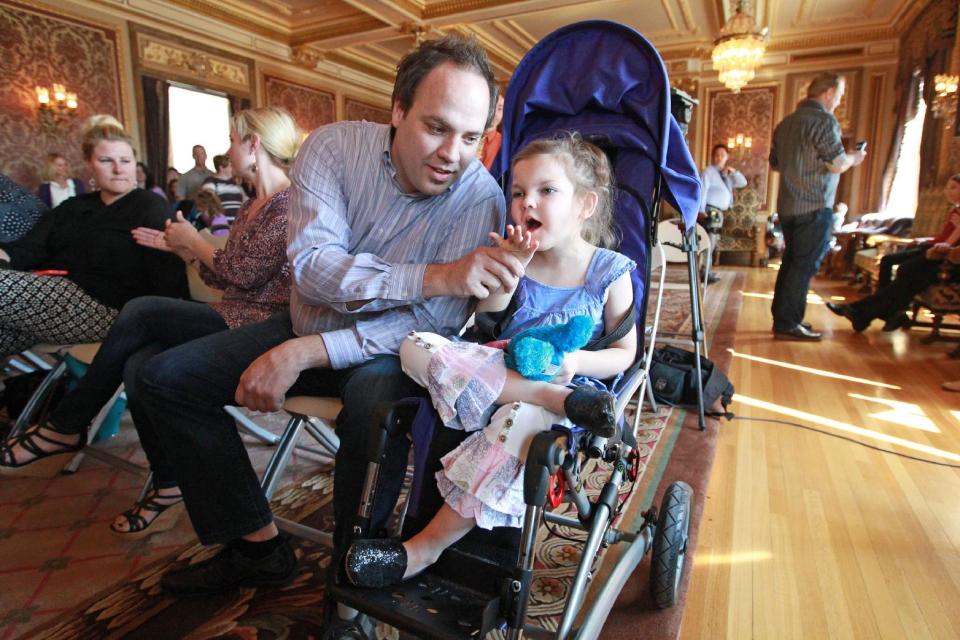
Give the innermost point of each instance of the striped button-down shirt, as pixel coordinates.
(805, 143)
(355, 236)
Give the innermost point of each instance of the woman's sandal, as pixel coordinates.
(43, 464)
(138, 526)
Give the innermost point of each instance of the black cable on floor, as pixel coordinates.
(853, 440)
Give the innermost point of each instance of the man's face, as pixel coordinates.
(200, 155)
(720, 157)
(436, 137)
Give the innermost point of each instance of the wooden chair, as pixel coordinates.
(941, 299)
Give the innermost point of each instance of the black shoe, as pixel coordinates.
(229, 570)
(375, 563)
(896, 322)
(845, 310)
(592, 409)
(799, 332)
(807, 326)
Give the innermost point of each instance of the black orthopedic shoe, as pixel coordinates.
(230, 569)
(848, 312)
(375, 563)
(593, 409)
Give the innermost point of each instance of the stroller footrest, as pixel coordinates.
(426, 606)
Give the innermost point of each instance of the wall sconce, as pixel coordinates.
(945, 100)
(58, 109)
(740, 145)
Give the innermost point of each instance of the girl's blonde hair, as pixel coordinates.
(589, 170)
(48, 171)
(276, 128)
(103, 127)
(208, 202)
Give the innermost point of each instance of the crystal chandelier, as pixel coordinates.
(739, 49)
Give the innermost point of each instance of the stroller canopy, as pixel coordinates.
(606, 81)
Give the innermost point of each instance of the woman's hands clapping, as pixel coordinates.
(178, 237)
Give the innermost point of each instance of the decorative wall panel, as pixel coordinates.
(309, 107)
(172, 58)
(845, 110)
(356, 110)
(750, 113)
(40, 48)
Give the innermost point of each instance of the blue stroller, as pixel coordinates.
(607, 82)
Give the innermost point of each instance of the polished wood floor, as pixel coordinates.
(808, 536)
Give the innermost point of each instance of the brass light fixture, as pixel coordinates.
(739, 50)
(945, 100)
(56, 107)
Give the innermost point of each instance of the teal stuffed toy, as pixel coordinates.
(537, 353)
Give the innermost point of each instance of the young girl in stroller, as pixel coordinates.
(561, 207)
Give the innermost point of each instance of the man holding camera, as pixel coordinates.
(809, 154)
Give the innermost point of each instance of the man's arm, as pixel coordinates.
(264, 384)
(326, 274)
(829, 147)
(737, 180)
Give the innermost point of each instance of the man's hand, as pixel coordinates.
(858, 156)
(264, 385)
(939, 250)
(478, 274)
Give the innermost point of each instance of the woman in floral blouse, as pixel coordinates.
(251, 270)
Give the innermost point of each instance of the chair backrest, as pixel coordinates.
(200, 291)
(931, 215)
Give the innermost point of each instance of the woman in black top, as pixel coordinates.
(69, 275)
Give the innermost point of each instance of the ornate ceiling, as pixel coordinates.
(370, 36)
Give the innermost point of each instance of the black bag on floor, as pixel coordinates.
(673, 379)
(19, 389)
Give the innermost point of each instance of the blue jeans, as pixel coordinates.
(806, 240)
(185, 389)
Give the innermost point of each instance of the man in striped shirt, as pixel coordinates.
(388, 233)
(808, 153)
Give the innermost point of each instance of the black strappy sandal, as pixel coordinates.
(43, 464)
(139, 527)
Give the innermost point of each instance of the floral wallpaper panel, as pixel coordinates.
(751, 113)
(309, 107)
(356, 110)
(40, 48)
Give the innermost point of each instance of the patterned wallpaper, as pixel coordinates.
(309, 107)
(40, 48)
(749, 112)
(356, 110)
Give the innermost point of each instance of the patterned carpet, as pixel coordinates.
(55, 550)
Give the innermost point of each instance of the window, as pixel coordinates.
(906, 177)
(197, 117)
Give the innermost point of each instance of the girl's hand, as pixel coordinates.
(180, 234)
(518, 241)
(568, 368)
(151, 238)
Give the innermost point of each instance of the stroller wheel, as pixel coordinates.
(670, 544)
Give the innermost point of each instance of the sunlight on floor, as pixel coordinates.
(819, 372)
(905, 414)
(812, 298)
(845, 427)
(732, 558)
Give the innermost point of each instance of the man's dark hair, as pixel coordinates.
(464, 52)
(719, 145)
(822, 83)
(220, 161)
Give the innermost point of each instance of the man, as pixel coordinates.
(716, 194)
(387, 232)
(191, 180)
(225, 186)
(808, 153)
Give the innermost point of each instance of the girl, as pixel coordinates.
(562, 209)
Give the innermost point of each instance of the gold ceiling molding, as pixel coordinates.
(518, 34)
(838, 37)
(445, 8)
(354, 25)
(181, 60)
(688, 18)
(243, 18)
(814, 56)
(307, 58)
(670, 17)
(348, 60)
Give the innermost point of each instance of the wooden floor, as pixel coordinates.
(809, 536)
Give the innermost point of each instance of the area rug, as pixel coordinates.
(135, 608)
(675, 317)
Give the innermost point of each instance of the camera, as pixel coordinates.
(861, 146)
